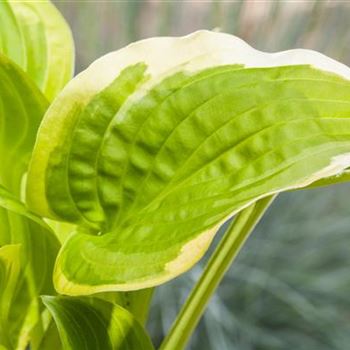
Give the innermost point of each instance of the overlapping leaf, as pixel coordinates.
(33, 252)
(95, 324)
(9, 275)
(35, 36)
(152, 147)
(22, 107)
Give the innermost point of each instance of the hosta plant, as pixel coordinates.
(117, 181)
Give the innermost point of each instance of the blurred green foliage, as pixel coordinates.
(290, 288)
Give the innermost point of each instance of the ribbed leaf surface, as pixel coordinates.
(154, 146)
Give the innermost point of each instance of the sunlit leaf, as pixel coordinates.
(34, 260)
(95, 324)
(22, 107)
(35, 36)
(154, 146)
(9, 274)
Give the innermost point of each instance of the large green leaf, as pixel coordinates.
(34, 262)
(154, 146)
(35, 36)
(96, 324)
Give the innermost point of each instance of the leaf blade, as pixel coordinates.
(22, 108)
(39, 40)
(96, 324)
(196, 140)
(20, 228)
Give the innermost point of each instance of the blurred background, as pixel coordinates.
(290, 286)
